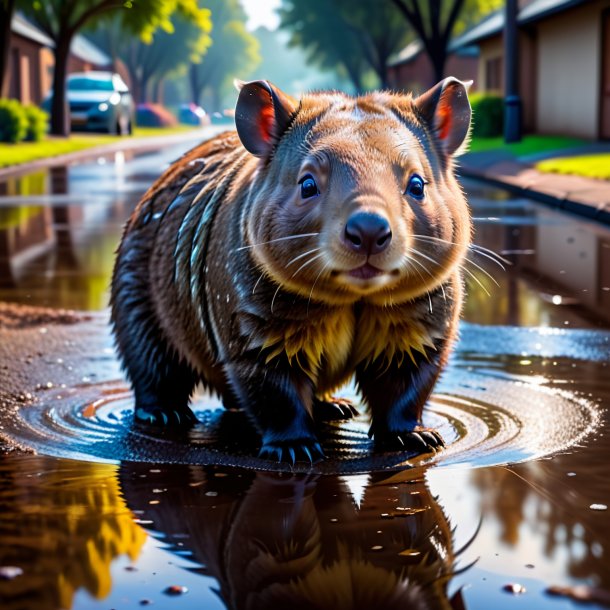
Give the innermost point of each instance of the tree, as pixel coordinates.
(358, 36)
(379, 31)
(317, 27)
(436, 21)
(167, 51)
(61, 20)
(234, 52)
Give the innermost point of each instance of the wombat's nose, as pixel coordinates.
(367, 233)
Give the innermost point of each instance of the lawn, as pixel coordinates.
(529, 145)
(590, 166)
(24, 152)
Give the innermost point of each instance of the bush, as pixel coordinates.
(13, 121)
(154, 115)
(487, 115)
(38, 123)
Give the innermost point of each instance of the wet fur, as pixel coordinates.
(195, 301)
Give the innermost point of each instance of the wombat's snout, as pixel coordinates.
(367, 233)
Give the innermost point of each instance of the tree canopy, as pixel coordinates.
(179, 40)
(61, 20)
(436, 21)
(233, 53)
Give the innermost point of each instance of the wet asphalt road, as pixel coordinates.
(118, 534)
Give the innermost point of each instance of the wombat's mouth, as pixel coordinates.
(365, 272)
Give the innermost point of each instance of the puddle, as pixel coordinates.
(103, 516)
(486, 414)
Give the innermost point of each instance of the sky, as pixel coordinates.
(261, 12)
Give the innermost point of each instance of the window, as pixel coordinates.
(493, 74)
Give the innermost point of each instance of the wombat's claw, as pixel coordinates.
(170, 419)
(421, 440)
(333, 409)
(292, 454)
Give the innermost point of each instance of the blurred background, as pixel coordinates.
(158, 63)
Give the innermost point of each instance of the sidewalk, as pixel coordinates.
(129, 144)
(584, 196)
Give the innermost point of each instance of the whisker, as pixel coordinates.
(271, 241)
(491, 277)
(311, 260)
(296, 258)
(274, 295)
(418, 253)
(476, 247)
(423, 281)
(314, 285)
(482, 249)
(258, 281)
(476, 279)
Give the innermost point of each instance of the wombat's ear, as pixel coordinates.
(261, 115)
(446, 109)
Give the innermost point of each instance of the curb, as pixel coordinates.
(563, 203)
(138, 144)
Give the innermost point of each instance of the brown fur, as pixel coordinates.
(206, 294)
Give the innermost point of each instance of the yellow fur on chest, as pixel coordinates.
(329, 348)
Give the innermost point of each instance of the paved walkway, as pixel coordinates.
(585, 196)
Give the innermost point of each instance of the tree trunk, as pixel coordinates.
(60, 117)
(438, 57)
(141, 90)
(6, 15)
(355, 77)
(216, 99)
(195, 85)
(157, 95)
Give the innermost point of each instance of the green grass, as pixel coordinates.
(25, 152)
(590, 166)
(529, 145)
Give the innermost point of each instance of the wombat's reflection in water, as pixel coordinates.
(291, 542)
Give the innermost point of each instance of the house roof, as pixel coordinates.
(494, 23)
(84, 49)
(407, 54)
(21, 26)
(413, 49)
(80, 47)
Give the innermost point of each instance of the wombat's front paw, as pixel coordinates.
(333, 408)
(166, 419)
(422, 440)
(290, 452)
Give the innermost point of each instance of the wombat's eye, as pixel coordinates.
(415, 186)
(309, 188)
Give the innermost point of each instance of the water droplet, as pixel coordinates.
(175, 590)
(377, 547)
(515, 588)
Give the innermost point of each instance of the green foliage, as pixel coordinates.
(590, 166)
(488, 115)
(13, 121)
(350, 37)
(38, 123)
(234, 53)
(287, 67)
(61, 20)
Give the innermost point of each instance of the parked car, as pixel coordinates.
(154, 115)
(191, 114)
(99, 101)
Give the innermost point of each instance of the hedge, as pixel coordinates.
(487, 115)
(18, 123)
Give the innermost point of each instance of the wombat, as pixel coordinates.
(322, 240)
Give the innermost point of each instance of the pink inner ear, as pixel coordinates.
(443, 118)
(266, 122)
